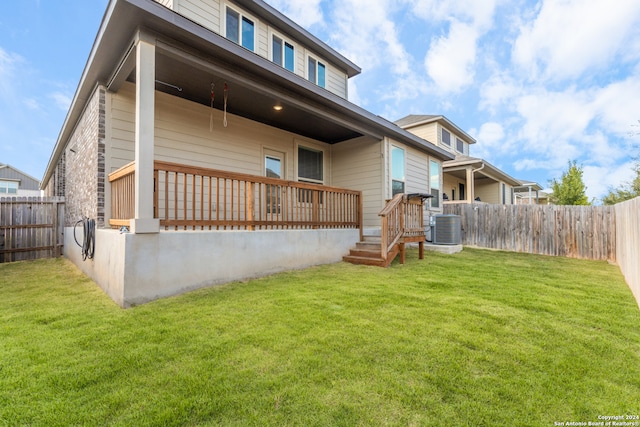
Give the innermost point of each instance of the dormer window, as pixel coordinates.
(240, 29)
(316, 72)
(446, 137)
(282, 53)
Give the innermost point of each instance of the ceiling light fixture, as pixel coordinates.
(277, 107)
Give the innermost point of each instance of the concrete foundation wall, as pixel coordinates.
(137, 268)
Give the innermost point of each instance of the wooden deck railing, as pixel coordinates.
(122, 195)
(193, 198)
(402, 222)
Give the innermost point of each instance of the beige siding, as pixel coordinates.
(357, 164)
(183, 136)
(121, 114)
(453, 183)
(262, 42)
(488, 193)
(428, 132)
(336, 81)
(204, 12)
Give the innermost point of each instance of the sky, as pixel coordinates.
(537, 83)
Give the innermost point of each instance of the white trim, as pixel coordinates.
(241, 13)
(311, 147)
(270, 33)
(318, 61)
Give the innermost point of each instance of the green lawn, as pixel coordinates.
(479, 338)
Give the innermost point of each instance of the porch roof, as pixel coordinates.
(191, 57)
(458, 166)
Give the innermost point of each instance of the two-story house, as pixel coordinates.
(465, 179)
(213, 140)
(15, 183)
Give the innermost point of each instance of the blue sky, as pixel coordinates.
(537, 83)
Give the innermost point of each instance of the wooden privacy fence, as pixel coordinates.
(572, 231)
(31, 228)
(628, 243)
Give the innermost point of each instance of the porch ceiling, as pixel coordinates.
(248, 97)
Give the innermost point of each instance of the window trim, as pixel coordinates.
(404, 168)
(442, 131)
(438, 200)
(318, 62)
(4, 184)
(285, 41)
(241, 14)
(310, 147)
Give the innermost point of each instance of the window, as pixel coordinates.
(310, 165)
(446, 137)
(8, 187)
(460, 145)
(316, 72)
(240, 29)
(434, 183)
(282, 53)
(397, 170)
(273, 169)
(504, 194)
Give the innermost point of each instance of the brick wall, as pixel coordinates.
(80, 173)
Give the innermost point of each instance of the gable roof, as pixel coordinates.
(192, 56)
(11, 173)
(415, 120)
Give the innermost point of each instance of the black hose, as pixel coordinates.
(88, 241)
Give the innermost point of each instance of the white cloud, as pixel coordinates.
(9, 62)
(450, 60)
(61, 100)
(306, 13)
(571, 36)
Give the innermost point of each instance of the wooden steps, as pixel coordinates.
(369, 252)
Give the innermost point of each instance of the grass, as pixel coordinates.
(480, 338)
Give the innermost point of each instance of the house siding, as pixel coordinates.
(357, 164)
(25, 182)
(428, 132)
(182, 135)
(210, 14)
(205, 13)
(84, 172)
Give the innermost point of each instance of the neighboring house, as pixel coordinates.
(530, 193)
(14, 182)
(220, 134)
(465, 179)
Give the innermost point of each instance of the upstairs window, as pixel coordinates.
(8, 187)
(446, 137)
(316, 72)
(397, 170)
(240, 29)
(460, 145)
(282, 53)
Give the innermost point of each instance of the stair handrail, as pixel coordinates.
(392, 224)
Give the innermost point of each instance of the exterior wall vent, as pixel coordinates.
(446, 230)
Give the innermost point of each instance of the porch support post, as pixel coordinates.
(144, 222)
(470, 184)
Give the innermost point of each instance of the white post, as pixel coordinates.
(144, 222)
(471, 189)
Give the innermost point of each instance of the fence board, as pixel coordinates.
(30, 228)
(572, 231)
(628, 243)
